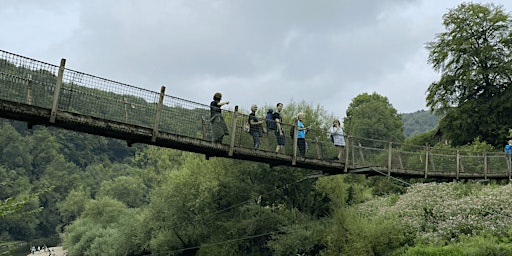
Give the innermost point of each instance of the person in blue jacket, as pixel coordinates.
(301, 135)
(508, 154)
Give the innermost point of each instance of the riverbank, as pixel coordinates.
(56, 251)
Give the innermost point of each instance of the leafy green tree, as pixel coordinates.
(371, 116)
(74, 204)
(315, 116)
(15, 150)
(129, 190)
(474, 58)
(97, 231)
(419, 122)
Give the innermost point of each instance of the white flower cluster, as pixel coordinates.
(440, 212)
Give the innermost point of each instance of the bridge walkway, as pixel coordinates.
(40, 93)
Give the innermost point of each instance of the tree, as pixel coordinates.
(474, 58)
(371, 116)
(419, 122)
(129, 190)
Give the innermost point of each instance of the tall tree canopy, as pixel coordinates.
(372, 116)
(474, 58)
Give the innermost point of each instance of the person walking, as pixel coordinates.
(508, 154)
(256, 129)
(301, 135)
(279, 132)
(219, 127)
(337, 137)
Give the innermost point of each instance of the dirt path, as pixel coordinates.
(56, 251)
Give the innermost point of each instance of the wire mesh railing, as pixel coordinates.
(32, 82)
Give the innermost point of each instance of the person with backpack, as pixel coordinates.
(256, 129)
(271, 124)
(337, 137)
(219, 127)
(279, 131)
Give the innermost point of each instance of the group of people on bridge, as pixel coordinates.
(273, 121)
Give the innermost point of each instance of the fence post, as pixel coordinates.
(361, 153)
(233, 132)
(29, 89)
(318, 148)
(458, 165)
(158, 113)
(56, 93)
(203, 126)
(426, 160)
(347, 146)
(509, 170)
(294, 139)
(485, 164)
(125, 103)
(389, 157)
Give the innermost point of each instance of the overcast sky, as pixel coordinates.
(254, 52)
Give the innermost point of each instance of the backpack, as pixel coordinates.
(269, 120)
(247, 127)
(292, 129)
(247, 124)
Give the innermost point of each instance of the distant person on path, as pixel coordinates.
(279, 132)
(508, 154)
(219, 128)
(337, 138)
(301, 135)
(256, 129)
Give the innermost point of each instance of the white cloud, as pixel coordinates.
(260, 52)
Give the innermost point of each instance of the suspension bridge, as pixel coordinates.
(40, 93)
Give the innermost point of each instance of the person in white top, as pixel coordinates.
(337, 137)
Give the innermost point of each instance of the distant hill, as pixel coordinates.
(419, 122)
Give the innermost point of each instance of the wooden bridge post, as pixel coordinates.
(294, 139)
(56, 92)
(125, 103)
(158, 113)
(347, 146)
(390, 147)
(29, 89)
(458, 165)
(509, 170)
(318, 148)
(233, 133)
(426, 160)
(203, 127)
(485, 165)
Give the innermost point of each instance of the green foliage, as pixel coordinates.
(440, 213)
(371, 116)
(483, 245)
(97, 231)
(422, 139)
(74, 204)
(299, 239)
(315, 116)
(419, 122)
(473, 56)
(129, 190)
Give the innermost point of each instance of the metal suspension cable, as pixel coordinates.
(246, 201)
(389, 176)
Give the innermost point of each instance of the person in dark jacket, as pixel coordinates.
(256, 128)
(219, 128)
